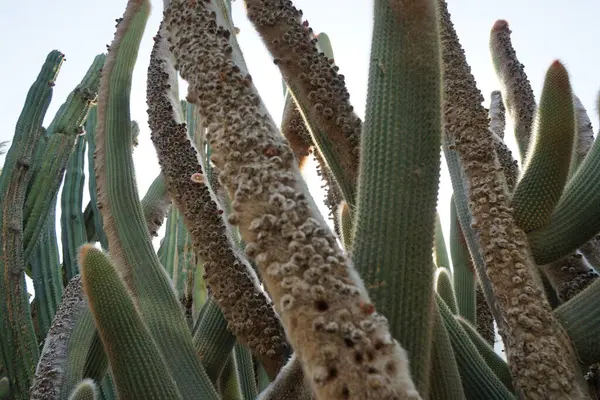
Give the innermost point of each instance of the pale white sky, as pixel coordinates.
(542, 31)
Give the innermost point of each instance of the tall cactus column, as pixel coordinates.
(399, 174)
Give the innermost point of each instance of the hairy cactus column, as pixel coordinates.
(233, 282)
(399, 174)
(345, 346)
(539, 353)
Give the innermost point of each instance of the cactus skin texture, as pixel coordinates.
(86, 390)
(138, 367)
(19, 347)
(314, 286)
(547, 166)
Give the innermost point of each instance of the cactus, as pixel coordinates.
(250, 294)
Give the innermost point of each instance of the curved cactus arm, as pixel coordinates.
(128, 236)
(46, 274)
(18, 341)
(315, 288)
(289, 383)
(71, 218)
(395, 215)
(4, 388)
(526, 322)
(319, 92)
(493, 360)
(155, 204)
(446, 383)
(576, 217)
(442, 282)
(85, 390)
(580, 317)
(479, 381)
(231, 279)
(517, 93)
(463, 274)
(63, 132)
(548, 162)
(138, 367)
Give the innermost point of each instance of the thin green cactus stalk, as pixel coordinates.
(245, 371)
(85, 390)
(107, 389)
(575, 218)
(570, 275)
(463, 274)
(229, 385)
(128, 236)
(439, 245)
(445, 380)
(289, 384)
(90, 128)
(71, 219)
(526, 322)
(319, 92)
(50, 371)
(19, 347)
(580, 316)
(497, 114)
(212, 340)
(493, 360)
(139, 369)
(314, 286)
(442, 282)
(156, 204)
(231, 279)
(399, 174)
(548, 162)
(4, 388)
(96, 361)
(47, 277)
(517, 93)
(479, 381)
(63, 132)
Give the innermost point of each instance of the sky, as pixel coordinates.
(543, 30)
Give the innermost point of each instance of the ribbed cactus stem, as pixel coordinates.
(517, 92)
(439, 245)
(548, 162)
(322, 302)
(139, 369)
(446, 383)
(19, 346)
(442, 281)
(128, 236)
(399, 174)
(345, 224)
(156, 204)
(525, 320)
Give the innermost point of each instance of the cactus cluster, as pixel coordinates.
(251, 294)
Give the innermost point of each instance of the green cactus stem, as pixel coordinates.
(156, 204)
(4, 388)
(446, 383)
(85, 390)
(138, 367)
(71, 219)
(319, 92)
(231, 279)
(517, 93)
(346, 225)
(493, 360)
(245, 371)
(463, 273)
(548, 162)
(439, 245)
(527, 322)
(442, 282)
(128, 236)
(315, 288)
(570, 275)
(395, 216)
(19, 347)
(63, 132)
